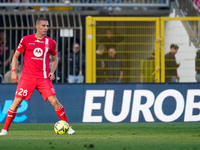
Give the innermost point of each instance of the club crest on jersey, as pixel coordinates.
(38, 41)
(38, 52)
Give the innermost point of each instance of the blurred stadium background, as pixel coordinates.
(142, 32)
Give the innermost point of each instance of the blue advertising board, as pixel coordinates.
(109, 103)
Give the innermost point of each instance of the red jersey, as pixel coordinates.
(36, 55)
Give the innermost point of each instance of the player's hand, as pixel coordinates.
(51, 76)
(14, 77)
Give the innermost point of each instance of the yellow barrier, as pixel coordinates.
(133, 39)
(125, 65)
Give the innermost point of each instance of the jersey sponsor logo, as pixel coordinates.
(36, 58)
(38, 52)
(31, 43)
(38, 41)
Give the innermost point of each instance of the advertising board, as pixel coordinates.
(115, 103)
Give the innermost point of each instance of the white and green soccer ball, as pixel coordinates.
(61, 127)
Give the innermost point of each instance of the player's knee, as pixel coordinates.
(54, 101)
(16, 103)
(56, 105)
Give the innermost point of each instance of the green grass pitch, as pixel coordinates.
(107, 136)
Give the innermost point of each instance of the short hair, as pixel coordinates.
(100, 47)
(40, 19)
(112, 48)
(174, 46)
(73, 44)
(109, 29)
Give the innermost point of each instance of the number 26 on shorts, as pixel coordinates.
(23, 92)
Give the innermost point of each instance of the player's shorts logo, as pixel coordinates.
(38, 52)
(53, 90)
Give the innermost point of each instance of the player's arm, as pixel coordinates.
(195, 5)
(14, 64)
(53, 66)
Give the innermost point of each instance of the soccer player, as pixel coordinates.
(36, 73)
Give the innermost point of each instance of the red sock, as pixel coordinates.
(61, 114)
(10, 117)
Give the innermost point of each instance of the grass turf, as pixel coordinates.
(122, 136)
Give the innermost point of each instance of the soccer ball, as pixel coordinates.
(61, 127)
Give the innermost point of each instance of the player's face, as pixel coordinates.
(42, 27)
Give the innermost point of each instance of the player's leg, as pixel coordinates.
(24, 90)
(11, 115)
(46, 89)
(60, 111)
(48, 92)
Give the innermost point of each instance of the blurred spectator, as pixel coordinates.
(28, 8)
(87, 8)
(162, 1)
(138, 2)
(1, 78)
(100, 64)
(148, 67)
(197, 65)
(76, 75)
(14, 5)
(114, 67)
(23, 1)
(54, 34)
(2, 9)
(196, 5)
(111, 8)
(6, 51)
(85, 1)
(171, 66)
(58, 73)
(110, 40)
(43, 8)
(66, 1)
(7, 76)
